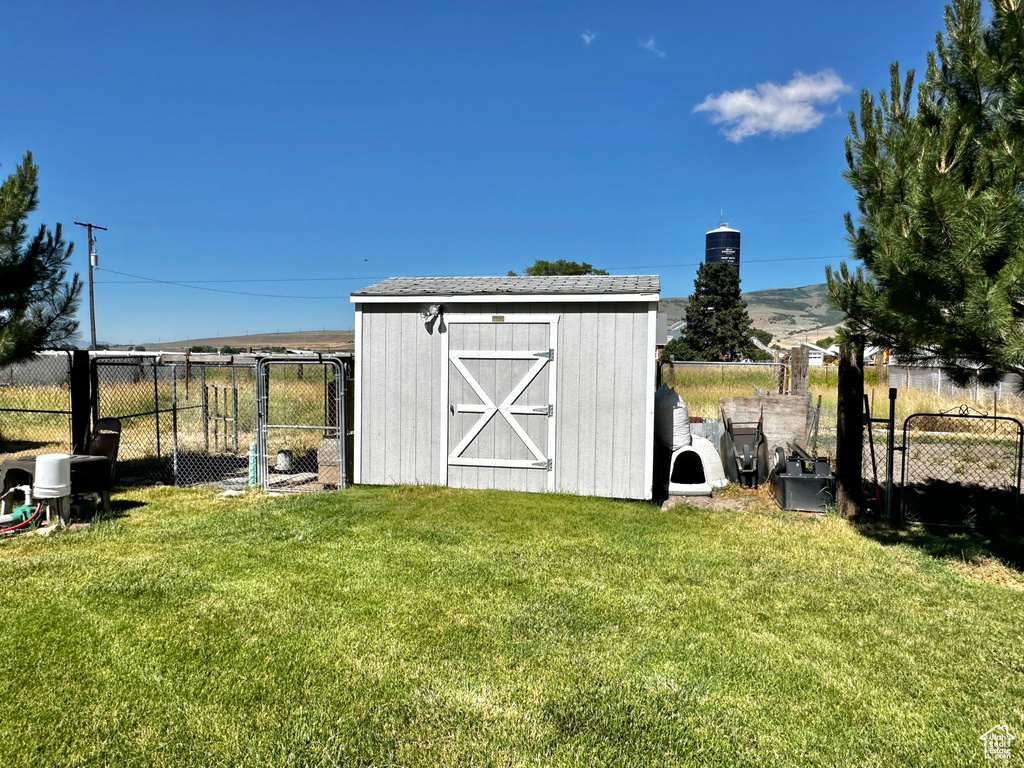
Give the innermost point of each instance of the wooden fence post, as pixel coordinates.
(81, 400)
(850, 430)
(799, 371)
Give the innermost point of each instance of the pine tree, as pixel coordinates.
(717, 324)
(37, 304)
(940, 224)
(940, 219)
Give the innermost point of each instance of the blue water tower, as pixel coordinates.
(722, 244)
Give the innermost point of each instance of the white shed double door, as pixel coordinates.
(498, 427)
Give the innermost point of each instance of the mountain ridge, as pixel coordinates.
(788, 314)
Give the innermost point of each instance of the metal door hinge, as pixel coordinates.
(550, 354)
(543, 464)
(547, 410)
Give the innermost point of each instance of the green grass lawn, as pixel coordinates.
(431, 627)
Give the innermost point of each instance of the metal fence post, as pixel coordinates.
(339, 406)
(94, 388)
(216, 416)
(206, 414)
(1020, 466)
(81, 399)
(174, 420)
(890, 445)
(156, 407)
(234, 411)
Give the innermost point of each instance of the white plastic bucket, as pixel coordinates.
(284, 461)
(53, 476)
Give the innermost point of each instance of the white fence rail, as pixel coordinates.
(935, 380)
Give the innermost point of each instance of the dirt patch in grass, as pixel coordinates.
(731, 497)
(990, 570)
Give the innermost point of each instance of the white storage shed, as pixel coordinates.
(516, 383)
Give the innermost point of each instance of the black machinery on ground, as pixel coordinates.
(801, 481)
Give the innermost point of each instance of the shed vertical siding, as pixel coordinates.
(604, 360)
(605, 356)
(398, 396)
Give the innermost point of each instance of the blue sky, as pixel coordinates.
(317, 147)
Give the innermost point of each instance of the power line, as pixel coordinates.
(746, 261)
(201, 285)
(152, 280)
(193, 283)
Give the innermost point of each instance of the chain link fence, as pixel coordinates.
(188, 419)
(183, 422)
(1008, 393)
(304, 415)
(961, 469)
(703, 384)
(35, 406)
(874, 467)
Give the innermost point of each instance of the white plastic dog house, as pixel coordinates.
(694, 466)
(696, 469)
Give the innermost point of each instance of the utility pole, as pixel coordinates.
(93, 261)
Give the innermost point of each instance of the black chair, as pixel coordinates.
(94, 472)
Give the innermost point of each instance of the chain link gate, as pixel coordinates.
(961, 469)
(302, 423)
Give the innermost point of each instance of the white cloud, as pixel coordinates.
(650, 47)
(779, 110)
(588, 36)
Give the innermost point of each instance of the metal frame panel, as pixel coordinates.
(1013, 491)
(263, 424)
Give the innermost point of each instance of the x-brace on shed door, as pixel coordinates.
(498, 428)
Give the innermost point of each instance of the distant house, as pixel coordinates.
(872, 355)
(816, 355)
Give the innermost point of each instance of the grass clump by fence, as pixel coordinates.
(430, 626)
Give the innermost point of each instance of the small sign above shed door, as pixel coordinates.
(498, 430)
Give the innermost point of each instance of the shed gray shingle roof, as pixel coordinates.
(556, 284)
